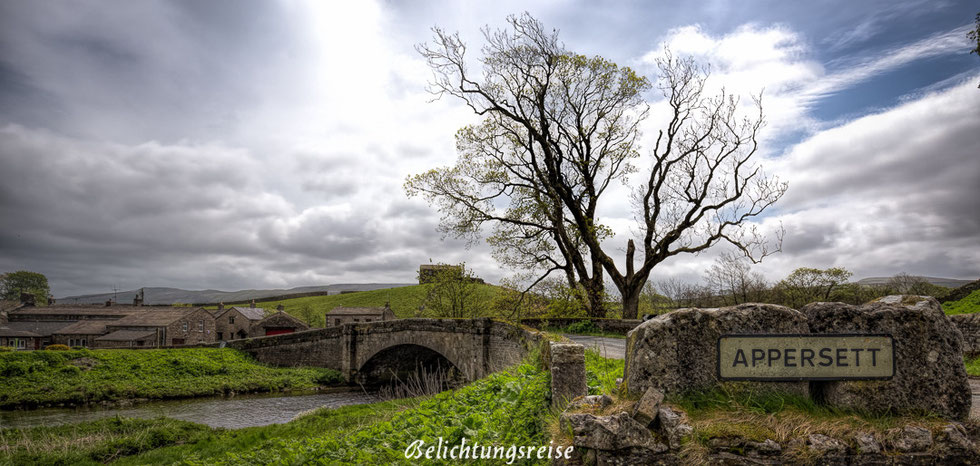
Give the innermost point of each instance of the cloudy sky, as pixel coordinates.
(231, 144)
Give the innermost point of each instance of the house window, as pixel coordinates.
(231, 319)
(200, 325)
(185, 326)
(84, 342)
(21, 343)
(357, 320)
(220, 336)
(367, 320)
(336, 321)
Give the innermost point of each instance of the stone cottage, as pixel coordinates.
(235, 323)
(350, 315)
(167, 327)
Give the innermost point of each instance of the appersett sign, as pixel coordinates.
(805, 357)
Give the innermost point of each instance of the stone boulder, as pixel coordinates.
(929, 372)
(678, 351)
(618, 432)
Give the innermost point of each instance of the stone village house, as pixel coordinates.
(349, 315)
(236, 322)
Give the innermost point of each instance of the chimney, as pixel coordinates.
(3, 317)
(252, 304)
(137, 301)
(221, 306)
(280, 307)
(108, 303)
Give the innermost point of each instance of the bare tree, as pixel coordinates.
(559, 128)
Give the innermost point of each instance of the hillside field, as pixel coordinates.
(967, 305)
(404, 301)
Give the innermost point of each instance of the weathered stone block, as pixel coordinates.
(567, 364)
(645, 410)
(929, 372)
(609, 433)
(677, 352)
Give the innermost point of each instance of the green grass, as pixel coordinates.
(739, 411)
(968, 305)
(95, 442)
(601, 373)
(506, 408)
(38, 378)
(404, 301)
(973, 367)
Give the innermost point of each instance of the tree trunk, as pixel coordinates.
(594, 296)
(631, 302)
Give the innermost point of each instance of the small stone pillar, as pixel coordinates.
(566, 361)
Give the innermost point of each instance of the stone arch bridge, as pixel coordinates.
(378, 352)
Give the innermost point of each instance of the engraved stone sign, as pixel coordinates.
(776, 357)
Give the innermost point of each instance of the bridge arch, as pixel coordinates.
(401, 364)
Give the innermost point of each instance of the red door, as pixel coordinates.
(278, 331)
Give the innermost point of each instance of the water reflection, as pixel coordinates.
(231, 413)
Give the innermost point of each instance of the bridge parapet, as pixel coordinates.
(476, 347)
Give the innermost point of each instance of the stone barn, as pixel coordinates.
(278, 324)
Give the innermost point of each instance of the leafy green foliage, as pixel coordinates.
(506, 408)
(12, 284)
(37, 378)
(601, 373)
(967, 305)
(452, 292)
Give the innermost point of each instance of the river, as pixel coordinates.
(231, 412)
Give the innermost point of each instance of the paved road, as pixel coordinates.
(616, 348)
(608, 347)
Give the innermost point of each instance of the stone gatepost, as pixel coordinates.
(566, 361)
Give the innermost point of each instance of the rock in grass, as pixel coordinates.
(645, 410)
(593, 402)
(609, 433)
(825, 445)
(677, 352)
(911, 439)
(929, 372)
(867, 444)
(674, 425)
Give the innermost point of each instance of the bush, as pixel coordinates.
(56, 348)
(4, 349)
(583, 327)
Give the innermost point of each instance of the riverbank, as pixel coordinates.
(505, 408)
(33, 379)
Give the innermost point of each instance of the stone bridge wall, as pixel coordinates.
(476, 347)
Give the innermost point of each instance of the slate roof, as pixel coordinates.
(125, 335)
(251, 313)
(86, 327)
(9, 332)
(281, 318)
(356, 311)
(75, 310)
(43, 329)
(153, 317)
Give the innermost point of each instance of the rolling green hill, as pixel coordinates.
(967, 305)
(404, 301)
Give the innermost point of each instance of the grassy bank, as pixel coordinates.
(39, 378)
(967, 305)
(506, 408)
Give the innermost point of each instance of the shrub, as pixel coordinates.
(583, 326)
(57, 348)
(4, 349)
